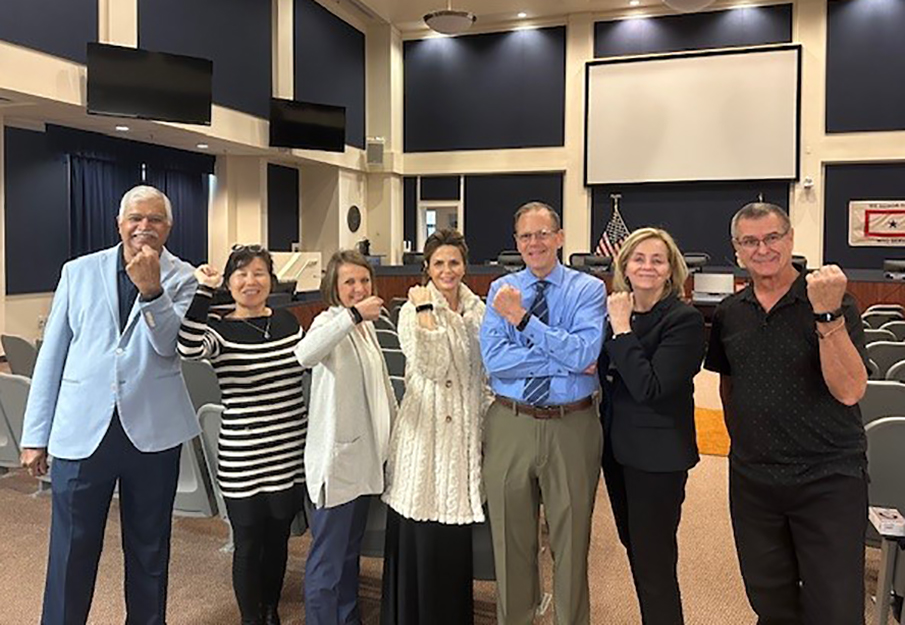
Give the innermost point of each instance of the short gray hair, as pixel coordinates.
(532, 206)
(759, 210)
(142, 193)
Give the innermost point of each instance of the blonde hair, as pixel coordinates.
(329, 287)
(675, 284)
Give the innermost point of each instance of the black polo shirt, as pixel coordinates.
(785, 425)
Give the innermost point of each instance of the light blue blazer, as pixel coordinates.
(86, 367)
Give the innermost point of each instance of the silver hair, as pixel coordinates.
(142, 193)
(759, 210)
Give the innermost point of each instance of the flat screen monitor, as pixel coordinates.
(129, 82)
(307, 126)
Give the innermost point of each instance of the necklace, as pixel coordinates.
(265, 330)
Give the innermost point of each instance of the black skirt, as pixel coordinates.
(282, 504)
(427, 573)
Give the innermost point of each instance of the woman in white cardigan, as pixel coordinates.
(434, 467)
(350, 414)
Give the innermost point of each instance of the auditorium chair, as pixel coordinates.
(876, 318)
(896, 327)
(882, 398)
(872, 336)
(896, 372)
(20, 354)
(13, 396)
(886, 354)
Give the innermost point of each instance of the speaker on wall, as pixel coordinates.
(374, 152)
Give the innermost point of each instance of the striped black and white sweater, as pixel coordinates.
(265, 421)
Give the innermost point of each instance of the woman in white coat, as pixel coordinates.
(434, 467)
(350, 414)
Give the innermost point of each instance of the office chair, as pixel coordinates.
(696, 261)
(511, 261)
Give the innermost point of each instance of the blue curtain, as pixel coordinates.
(188, 193)
(96, 187)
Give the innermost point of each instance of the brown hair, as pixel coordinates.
(329, 290)
(446, 236)
(675, 284)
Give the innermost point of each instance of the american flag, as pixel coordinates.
(615, 233)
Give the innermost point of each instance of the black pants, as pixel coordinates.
(801, 548)
(259, 564)
(647, 508)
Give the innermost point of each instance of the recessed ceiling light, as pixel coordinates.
(202, 146)
(122, 128)
(522, 15)
(634, 3)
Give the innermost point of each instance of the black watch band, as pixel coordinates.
(826, 317)
(356, 316)
(424, 307)
(524, 322)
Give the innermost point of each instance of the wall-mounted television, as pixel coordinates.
(307, 126)
(130, 82)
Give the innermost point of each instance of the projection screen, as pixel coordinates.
(729, 115)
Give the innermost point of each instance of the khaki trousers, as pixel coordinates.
(528, 461)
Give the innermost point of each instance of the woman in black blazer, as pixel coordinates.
(653, 349)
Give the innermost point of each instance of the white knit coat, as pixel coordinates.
(434, 466)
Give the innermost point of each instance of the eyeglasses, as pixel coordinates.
(752, 243)
(254, 248)
(540, 235)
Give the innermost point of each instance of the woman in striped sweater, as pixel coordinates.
(262, 437)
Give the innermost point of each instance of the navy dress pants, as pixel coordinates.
(82, 491)
(331, 571)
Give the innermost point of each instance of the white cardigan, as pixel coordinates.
(343, 459)
(434, 465)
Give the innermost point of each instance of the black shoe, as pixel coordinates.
(270, 614)
(252, 621)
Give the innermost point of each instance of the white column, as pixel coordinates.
(576, 197)
(118, 22)
(239, 206)
(283, 62)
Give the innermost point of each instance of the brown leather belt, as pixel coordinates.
(547, 412)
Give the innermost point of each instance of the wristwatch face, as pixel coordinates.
(828, 316)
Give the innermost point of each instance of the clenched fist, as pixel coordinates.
(826, 287)
(619, 307)
(369, 307)
(508, 303)
(209, 276)
(419, 295)
(144, 271)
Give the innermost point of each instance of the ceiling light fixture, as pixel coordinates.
(634, 3)
(450, 21)
(122, 128)
(202, 146)
(688, 6)
(522, 15)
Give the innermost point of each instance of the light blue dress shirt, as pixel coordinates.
(562, 349)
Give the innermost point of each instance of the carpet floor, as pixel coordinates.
(201, 587)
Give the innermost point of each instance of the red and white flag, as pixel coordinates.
(876, 223)
(614, 235)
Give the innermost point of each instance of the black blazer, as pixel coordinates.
(648, 375)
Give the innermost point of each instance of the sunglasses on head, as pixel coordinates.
(254, 248)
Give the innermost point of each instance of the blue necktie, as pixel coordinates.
(537, 390)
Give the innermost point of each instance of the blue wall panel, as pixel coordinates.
(845, 183)
(745, 26)
(37, 212)
(697, 214)
(490, 91)
(58, 27)
(865, 65)
(490, 205)
(282, 207)
(234, 34)
(330, 65)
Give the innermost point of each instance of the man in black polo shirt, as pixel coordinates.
(789, 349)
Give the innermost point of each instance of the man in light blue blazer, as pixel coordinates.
(109, 403)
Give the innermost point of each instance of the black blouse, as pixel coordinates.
(648, 375)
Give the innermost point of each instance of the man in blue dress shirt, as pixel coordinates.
(540, 338)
